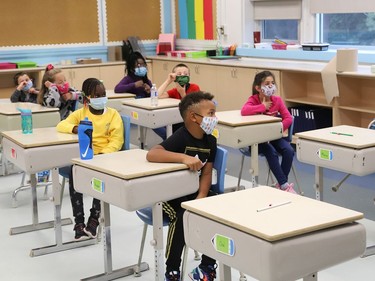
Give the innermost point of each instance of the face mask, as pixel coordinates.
(63, 89)
(28, 85)
(182, 80)
(208, 124)
(140, 71)
(98, 103)
(269, 90)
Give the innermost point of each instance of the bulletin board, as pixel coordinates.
(41, 22)
(139, 18)
(196, 19)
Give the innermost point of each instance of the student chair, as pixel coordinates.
(245, 151)
(145, 214)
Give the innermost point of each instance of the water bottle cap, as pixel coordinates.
(85, 121)
(24, 111)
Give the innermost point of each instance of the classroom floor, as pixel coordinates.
(16, 264)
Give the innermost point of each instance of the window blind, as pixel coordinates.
(277, 10)
(341, 6)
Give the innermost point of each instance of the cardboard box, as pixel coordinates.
(88, 60)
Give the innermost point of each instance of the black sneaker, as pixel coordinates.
(172, 276)
(203, 273)
(91, 227)
(80, 233)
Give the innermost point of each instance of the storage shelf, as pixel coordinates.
(359, 108)
(309, 101)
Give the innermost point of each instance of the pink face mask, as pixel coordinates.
(63, 89)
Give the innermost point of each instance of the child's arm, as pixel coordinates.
(205, 180)
(70, 124)
(126, 86)
(255, 106)
(161, 91)
(286, 117)
(116, 135)
(160, 154)
(16, 96)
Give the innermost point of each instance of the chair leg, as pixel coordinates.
(18, 189)
(137, 271)
(240, 173)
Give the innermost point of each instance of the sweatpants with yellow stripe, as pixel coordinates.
(176, 240)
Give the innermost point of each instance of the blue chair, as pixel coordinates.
(245, 151)
(145, 214)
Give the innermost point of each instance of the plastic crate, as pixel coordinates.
(7, 65)
(196, 54)
(26, 64)
(279, 46)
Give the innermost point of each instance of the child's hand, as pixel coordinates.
(21, 85)
(266, 103)
(172, 77)
(47, 84)
(138, 84)
(67, 96)
(181, 90)
(194, 163)
(33, 91)
(147, 88)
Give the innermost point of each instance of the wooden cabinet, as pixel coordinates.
(111, 75)
(204, 76)
(356, 103)
(160, 71)
(76, 75)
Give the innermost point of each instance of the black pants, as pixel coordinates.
(76, 199)
(175, 239)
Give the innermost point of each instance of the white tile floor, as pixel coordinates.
(16, 264)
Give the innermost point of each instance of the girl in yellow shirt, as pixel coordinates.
(107, 137)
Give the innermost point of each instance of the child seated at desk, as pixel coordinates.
(264, 101)
(136, 80)
(56, 92)
(107, 137)
(194, 146)
(25, 90)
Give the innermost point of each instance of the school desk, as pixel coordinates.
(272, 235)
(342, 148)
(238, 131)
(10, 119)
(166, 113)
(127, 180)
(44, 149)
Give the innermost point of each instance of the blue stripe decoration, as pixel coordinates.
(182, 14)
(167, 16)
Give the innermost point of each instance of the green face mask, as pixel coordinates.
(182, 80)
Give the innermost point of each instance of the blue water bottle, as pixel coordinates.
(85, 139)
(26, 121)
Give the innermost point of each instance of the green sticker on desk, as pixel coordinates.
(97, 185)
(223, 244)
(325, 154)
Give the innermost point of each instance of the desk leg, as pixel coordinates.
(157, 242)
(59, 246)
(318, 183)
(142, 132)
(109, 273)
(35, 222)
(225, 272)
(254, 165)
(169, 130)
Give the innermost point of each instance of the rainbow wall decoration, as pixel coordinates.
(196, 19)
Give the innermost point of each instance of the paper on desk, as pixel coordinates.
(329, 78)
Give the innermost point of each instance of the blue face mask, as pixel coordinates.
(98, 103)
(28, 85)
(140, 71)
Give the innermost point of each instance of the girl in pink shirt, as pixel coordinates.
(264, 101)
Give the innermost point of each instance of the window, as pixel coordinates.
(347, 29)
(282, 29)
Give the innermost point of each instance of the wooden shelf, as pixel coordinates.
(309, 101)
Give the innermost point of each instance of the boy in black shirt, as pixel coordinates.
(194, 146)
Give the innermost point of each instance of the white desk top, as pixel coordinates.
(234, 118)
(128, 164)
(349, 136)
(40, 137)
(11, 108)
(145, 103)
(302, 215)
(112, 95)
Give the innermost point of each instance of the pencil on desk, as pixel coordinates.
(271, 206)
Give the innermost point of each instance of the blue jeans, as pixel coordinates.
(271, 150)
